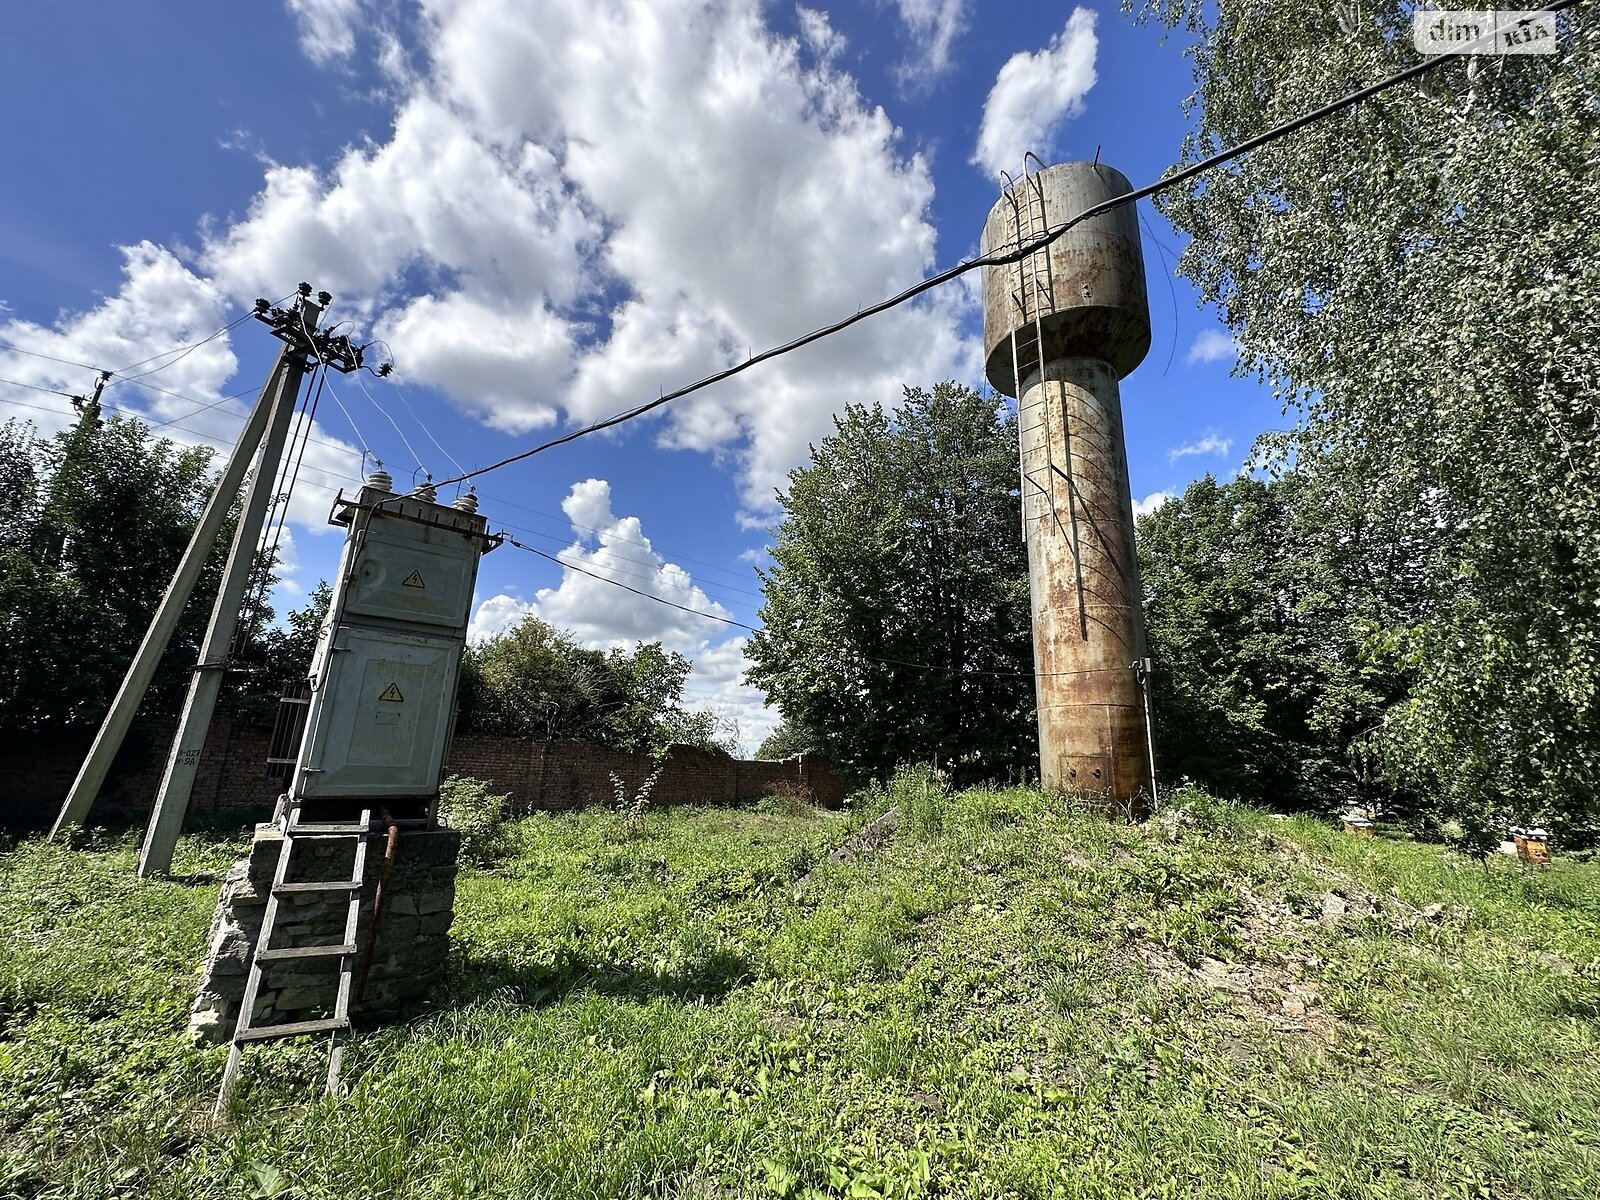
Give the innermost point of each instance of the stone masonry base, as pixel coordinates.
(408, 958)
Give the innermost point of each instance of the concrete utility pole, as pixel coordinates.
(66, 478)
(177, 782)
(1060, 329)
(296, 327)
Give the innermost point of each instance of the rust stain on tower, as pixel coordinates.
(1060, 329)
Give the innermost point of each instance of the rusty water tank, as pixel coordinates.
(1087, 290)
(1084, 300)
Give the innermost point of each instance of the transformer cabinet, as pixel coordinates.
(1061, 328)
(313, 933)
(384, 677)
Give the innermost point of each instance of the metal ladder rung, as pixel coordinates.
(288, 952)
(336, 885)
(244, 1032)
(329, 829)
(263, 1033)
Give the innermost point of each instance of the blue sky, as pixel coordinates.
(555, 210)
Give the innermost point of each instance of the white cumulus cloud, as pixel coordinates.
(1211, 443)
(934, 26)
(1034, 93)
(1152, 502)
(608, 551)
(583, 246)
(1212, 345)
(165, 313)
(575, 208)
(327, 27)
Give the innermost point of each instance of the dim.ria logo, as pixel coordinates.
(1435, 31)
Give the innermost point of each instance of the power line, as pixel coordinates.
(205, 437)
(65, 362)
(137, 381)
(394, 383)
(389, 417)
(122, 376)
(1021, 251)
(897, 662)
(182, 353)
(305, 437)
(366, 447)
(35, 387)
(615, 583)
(655, 568)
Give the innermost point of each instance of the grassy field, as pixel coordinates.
(1002, 997)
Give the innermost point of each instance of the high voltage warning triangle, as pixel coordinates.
(413, 580)
(392, 694)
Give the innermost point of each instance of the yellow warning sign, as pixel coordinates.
(392, 694)
(413, 580)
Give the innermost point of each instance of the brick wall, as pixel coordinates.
(36, 774)
(557, 775)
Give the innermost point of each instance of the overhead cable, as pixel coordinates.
(1002, 259)
(615, 583)
(896, 662)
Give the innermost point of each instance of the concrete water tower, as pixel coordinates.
(1060, 328)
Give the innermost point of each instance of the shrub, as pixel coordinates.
(467, 806)
(790, 797)
(922, 793)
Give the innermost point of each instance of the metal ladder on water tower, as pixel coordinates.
(265, 956)
(1041, 288)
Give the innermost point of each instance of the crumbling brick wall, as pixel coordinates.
(541, 775)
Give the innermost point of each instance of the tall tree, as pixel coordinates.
(1420, 277)
(536, 681)
(897, 616)
(1256, 609)
(94, 520)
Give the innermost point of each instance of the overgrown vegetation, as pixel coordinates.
(477, 814)
(92, 521)
(896, 626)
(1428, 307)
(1005, 996)
(536, 681)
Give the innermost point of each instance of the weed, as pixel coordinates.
(1005, 996)
(633, 807)
(467, 806)
(788, 797)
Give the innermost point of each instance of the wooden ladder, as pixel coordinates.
(338, 1025)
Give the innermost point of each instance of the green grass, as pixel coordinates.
(1010, 998)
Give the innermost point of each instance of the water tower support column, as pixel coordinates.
(1061, 328)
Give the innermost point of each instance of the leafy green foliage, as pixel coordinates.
(1018, 999)
(897, 615)
(535, 681)
(1420, 278)
(784, 741)
(1257, 601)
(93, 523)
(467, 806)
(275, 655)
(703, 729)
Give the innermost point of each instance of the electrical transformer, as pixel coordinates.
(388, 661)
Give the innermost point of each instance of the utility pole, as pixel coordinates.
(177, 781)
(66, 478)
(269, 417)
